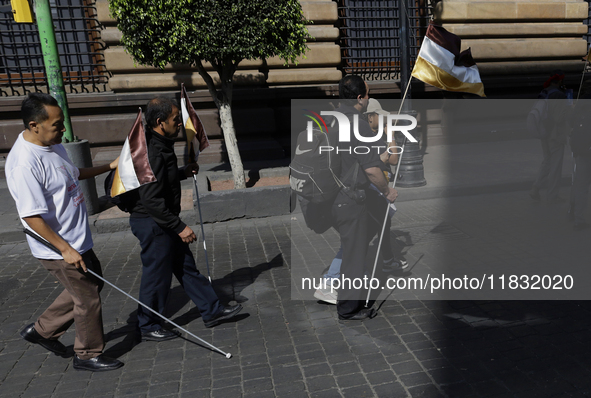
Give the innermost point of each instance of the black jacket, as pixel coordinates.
(365, 160)
(160, 200)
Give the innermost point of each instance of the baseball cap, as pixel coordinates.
(373, 106)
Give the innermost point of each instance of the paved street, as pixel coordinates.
(298, 348)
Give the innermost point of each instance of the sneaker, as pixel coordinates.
(326, 296)
(394, 265)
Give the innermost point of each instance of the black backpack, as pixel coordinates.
(580, 136)
(313, 176)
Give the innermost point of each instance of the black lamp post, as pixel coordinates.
(411, 173)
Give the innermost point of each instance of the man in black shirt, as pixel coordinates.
(349, 209)
(163, 236)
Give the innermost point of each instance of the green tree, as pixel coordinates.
(221, 32)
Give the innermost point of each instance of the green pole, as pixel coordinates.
(51, 59)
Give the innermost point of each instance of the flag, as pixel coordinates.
(196, 138)
(133, 169)
(441, 64)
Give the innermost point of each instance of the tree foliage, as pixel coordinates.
(158, 32)
(222, 32)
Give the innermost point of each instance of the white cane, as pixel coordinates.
(55, 249)
(375, 264)
(201, 223)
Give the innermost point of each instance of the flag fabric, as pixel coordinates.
(196, 137)
(134, 168)
(441, 64)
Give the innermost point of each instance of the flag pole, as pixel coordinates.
(202, 229)
(375, 263)
(56, 250)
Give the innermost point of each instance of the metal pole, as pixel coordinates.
(56, 250)
(201, 223)
(412, 171)
(51, 59)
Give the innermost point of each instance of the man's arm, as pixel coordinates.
(89, 172)
(376, 177)
(71, 256)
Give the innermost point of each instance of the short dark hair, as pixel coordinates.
(33, 108)
(159, 108)
(350, 87)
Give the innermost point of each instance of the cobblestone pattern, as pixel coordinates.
(294, 348)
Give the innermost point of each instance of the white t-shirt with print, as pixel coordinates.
(43, 181)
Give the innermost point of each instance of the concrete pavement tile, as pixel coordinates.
(404, 356)
(425, 391)
(320, 383)
(284, 360)
(259, 385)
(253, 359)
(164, 389)
(346, 368)
(256, 373)
(351, 380)
(282, 390)
(359, 391)
(402, 368)
(414, 379)
(133, 388)
(227, 382)
(319, 369)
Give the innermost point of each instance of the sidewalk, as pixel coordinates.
(474, 210)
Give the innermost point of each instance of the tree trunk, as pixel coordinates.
(232, 145)
(226, 72)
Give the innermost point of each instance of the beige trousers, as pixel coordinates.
(79, 303)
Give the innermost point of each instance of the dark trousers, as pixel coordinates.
(79, 303)
(377, 206)
(164, 254)
(352, 224)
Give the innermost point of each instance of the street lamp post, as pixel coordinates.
(411, 173)
(78, 150)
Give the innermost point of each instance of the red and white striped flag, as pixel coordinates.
(441, 64)
(134, 168)
(196, 137)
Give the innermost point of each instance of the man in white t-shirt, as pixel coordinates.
(45, 186)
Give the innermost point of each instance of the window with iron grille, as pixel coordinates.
(370, 35)
(77, 33)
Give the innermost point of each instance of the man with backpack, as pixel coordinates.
(349, 210)
(554, 138)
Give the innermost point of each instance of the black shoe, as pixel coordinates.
(361, 315)
(31, 335)
(160, 335)
(226, 313)
(98, 364)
